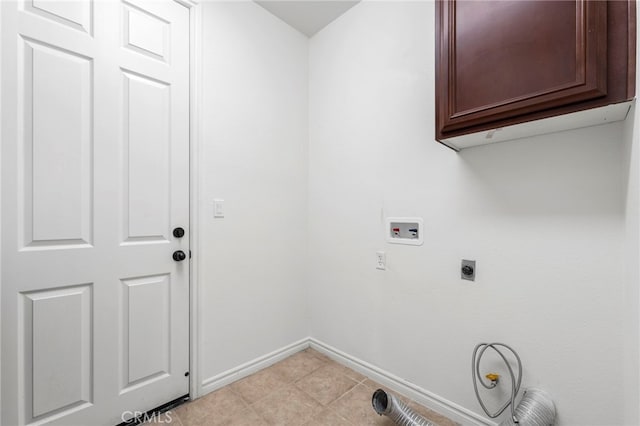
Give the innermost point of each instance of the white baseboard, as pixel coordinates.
(216, 382)
(422, 396)
(428, 399)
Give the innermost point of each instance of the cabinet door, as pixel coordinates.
(498, 60)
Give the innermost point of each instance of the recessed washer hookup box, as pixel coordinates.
(404, 230)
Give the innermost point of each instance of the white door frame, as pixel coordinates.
(1, 142)
(195, 108)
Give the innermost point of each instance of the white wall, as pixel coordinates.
(552, 220)
(254, 156)
(632, 264)
(543, 217)
(632, 271)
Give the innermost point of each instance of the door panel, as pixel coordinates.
(146, 329)
(75, 14)
(95, 144)
(146, 139)
(57, 338)
(56, 146)
(146, 33)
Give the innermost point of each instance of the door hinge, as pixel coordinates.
(189, 254)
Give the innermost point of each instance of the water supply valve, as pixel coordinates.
(493, 377)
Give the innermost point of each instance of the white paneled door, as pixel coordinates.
(95, 179)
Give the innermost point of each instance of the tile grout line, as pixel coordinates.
(291, 382)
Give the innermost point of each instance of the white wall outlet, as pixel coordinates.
(381, 260)
(218, 208)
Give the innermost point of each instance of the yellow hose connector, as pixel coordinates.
(493, 377)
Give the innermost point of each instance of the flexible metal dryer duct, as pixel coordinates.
(396, 410)
(536, 408)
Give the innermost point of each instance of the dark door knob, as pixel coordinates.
(179, 256)
(467, 270)
(178, 232)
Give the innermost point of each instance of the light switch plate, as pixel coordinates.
(218, 208)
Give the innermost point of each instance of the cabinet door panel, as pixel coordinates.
(502, 59)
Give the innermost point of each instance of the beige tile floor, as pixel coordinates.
(305, 389)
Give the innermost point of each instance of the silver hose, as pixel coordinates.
(475, 373)
(536, 407)
(396, 410)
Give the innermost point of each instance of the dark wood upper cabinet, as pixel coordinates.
(500, 63)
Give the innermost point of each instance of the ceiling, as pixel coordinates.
(307, 16)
